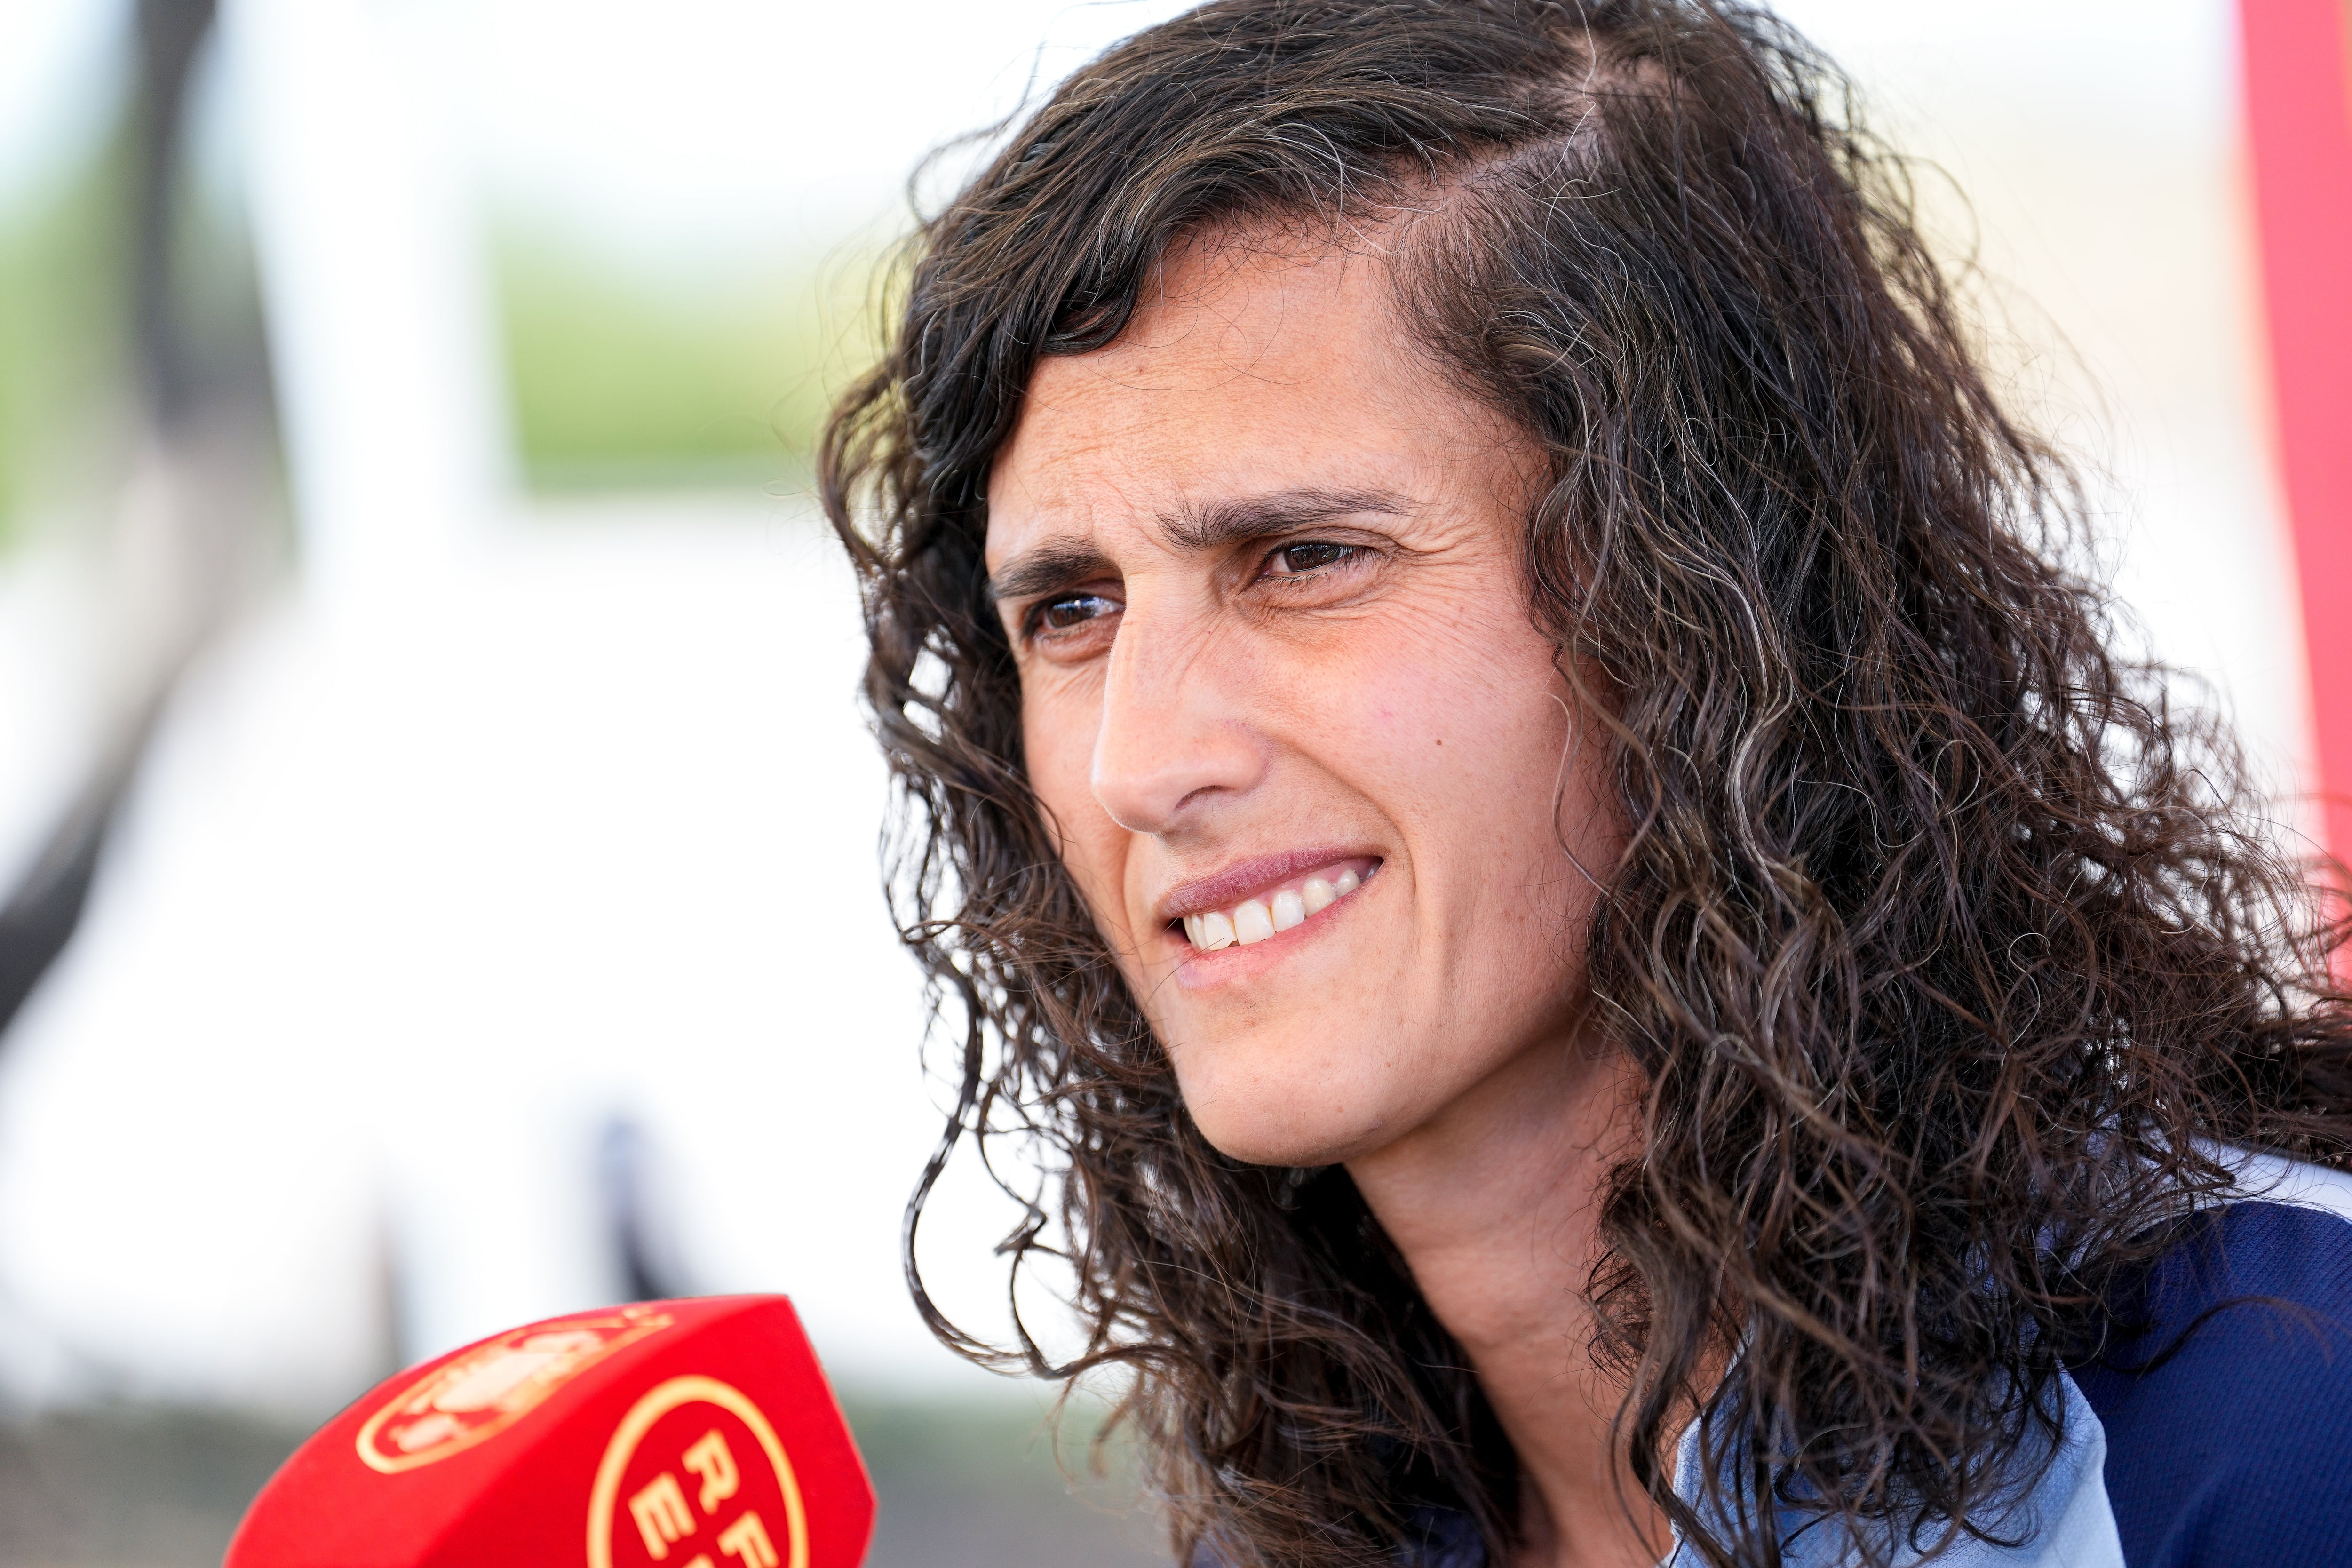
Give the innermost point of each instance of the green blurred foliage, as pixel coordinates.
(628, 377)
(619, 375)
(65, 331)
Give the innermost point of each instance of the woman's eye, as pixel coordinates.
(1311, 556)
(1072, 610)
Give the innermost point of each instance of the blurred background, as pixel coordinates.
(437, 879)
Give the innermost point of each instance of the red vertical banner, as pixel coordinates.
(2298, 93)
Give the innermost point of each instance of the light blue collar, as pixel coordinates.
(2062, 1522)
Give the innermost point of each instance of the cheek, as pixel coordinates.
(1467, 744)
(1057, 734)
(1463, 734)
(1053, 757)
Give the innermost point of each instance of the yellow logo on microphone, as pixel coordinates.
(480, 1393)
(694, 1478)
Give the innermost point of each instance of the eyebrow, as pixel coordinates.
(1052, 566)
(1269, 516)
(1061, 563)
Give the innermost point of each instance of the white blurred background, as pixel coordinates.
(486, 923)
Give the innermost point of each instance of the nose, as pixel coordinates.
(1174, 734)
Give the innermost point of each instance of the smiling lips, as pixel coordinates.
(1257, 918)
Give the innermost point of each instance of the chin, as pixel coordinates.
(1254, 1144)
(1280, 1120)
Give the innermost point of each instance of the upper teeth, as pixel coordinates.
(1254, 919)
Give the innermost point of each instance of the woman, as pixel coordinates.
(1498, 756)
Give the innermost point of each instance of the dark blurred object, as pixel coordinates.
(39, 915)
(628, 1175)
(969, 1485)
(169, 32)
(187, 534)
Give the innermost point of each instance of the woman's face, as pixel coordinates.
(1284, 704)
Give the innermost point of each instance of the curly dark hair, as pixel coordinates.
(1949, 952)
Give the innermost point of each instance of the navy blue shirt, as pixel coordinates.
(2225, 1401)
(2229, 1414)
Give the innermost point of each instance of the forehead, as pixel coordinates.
(1249, 368)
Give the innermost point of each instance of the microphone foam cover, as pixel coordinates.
(695, 1434)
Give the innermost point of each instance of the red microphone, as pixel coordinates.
(696, 1434)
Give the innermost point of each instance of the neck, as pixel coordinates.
(1494, 1204)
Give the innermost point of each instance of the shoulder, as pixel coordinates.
(2225, 1391)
